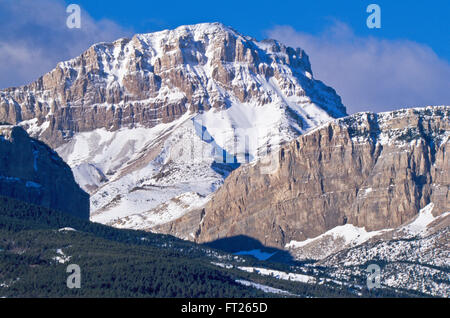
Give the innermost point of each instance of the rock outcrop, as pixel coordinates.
(370, 170)
(30, 171)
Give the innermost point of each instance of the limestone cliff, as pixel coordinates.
(369, 170)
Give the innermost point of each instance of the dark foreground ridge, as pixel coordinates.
(32, 172)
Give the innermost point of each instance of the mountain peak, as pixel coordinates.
(156, 77)
(206, 28)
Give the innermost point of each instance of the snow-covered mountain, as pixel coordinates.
(152, 125)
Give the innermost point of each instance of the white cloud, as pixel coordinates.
(34, 38)
(372, 74)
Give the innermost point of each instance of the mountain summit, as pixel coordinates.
(157, 77)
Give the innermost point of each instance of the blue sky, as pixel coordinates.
(405, 63)
(421, 21)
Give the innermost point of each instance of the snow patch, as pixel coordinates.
(66, 229)
(61, 257)
(351, 235)
(420, 224)
(278, 274)
(170, 210)
(264, 288)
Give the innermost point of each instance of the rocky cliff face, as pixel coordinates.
(369, 170)
(32, 172)
(155, 78)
